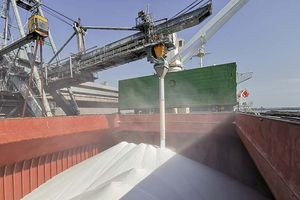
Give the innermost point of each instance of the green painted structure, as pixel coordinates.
(195, 88)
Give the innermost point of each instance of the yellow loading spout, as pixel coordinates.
(159, 51)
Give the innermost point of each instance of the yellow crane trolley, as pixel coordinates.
(39, 25)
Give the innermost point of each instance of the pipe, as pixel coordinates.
(161, 67)
(110, 28)
(162, 114)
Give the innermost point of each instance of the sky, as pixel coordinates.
(263, 38)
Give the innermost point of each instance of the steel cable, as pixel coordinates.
(57, 17)
(51, 9)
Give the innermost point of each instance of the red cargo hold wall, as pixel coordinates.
(274, 145)
(35, 149)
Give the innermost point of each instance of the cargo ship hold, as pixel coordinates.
(178, 134)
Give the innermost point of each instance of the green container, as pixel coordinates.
(196, 88)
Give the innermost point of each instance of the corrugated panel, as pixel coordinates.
(18, 179)
(215, 85)
(35, 149)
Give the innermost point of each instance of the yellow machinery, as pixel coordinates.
(159, 51)
(38, 24)
(38, 30)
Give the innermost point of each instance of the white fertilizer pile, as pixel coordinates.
(131, 171)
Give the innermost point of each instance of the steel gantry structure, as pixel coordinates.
(16, 61)
(17, 56)
(128, 49)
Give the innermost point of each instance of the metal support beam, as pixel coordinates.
(110, 28)
(73, 101)
(20, 26)
(61, 48)
(71, 67)
(32, 102)
(80, 32)
(5, 15)
(30, 58)
(17, 44)
(62, 102)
